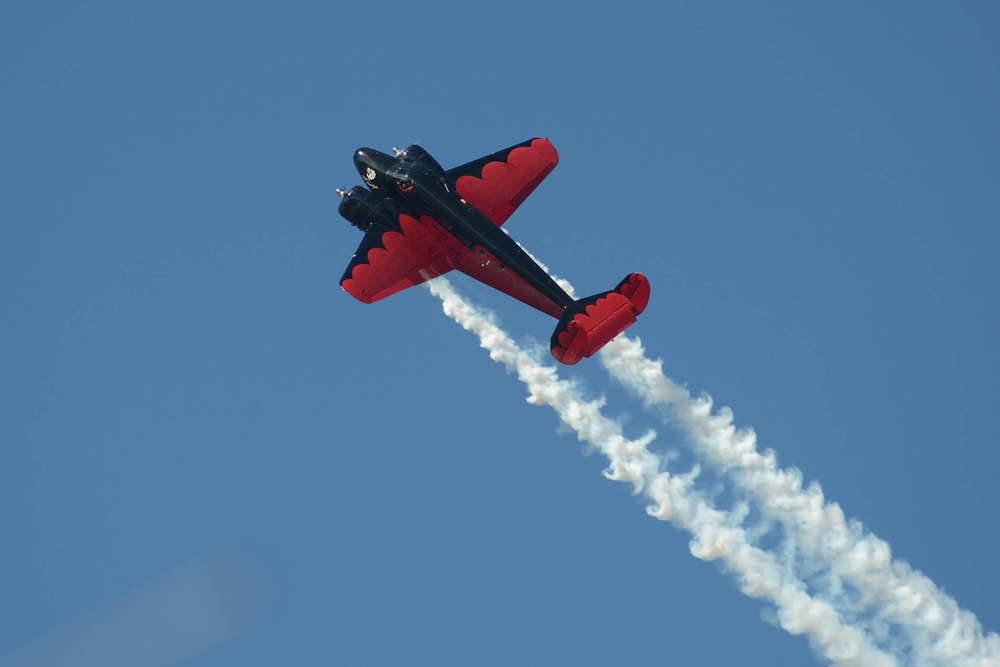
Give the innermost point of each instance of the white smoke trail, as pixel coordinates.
(717, 535)
(835, 550)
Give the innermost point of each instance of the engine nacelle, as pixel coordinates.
(421, 157)
(364, 209)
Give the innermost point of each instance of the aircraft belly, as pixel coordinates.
(485, 267)
(472, 228)
(440, 243)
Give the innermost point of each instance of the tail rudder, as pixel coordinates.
(591, 323)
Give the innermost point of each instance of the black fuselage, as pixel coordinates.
(415, 182)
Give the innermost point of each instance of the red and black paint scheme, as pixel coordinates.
(421, 221)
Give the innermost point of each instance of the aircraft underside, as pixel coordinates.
(421, 222)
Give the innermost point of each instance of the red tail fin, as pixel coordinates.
(591, 323)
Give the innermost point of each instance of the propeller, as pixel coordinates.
(397, 152)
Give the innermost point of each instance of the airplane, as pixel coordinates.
(421, 221)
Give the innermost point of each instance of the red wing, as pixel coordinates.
(389, 261)
(486, 268)
(497, 184)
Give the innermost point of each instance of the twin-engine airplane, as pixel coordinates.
(421, 221)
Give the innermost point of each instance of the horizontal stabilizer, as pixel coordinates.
(591, 323)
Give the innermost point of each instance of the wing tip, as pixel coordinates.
(544, 143)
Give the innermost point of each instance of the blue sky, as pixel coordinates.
(811, 191)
